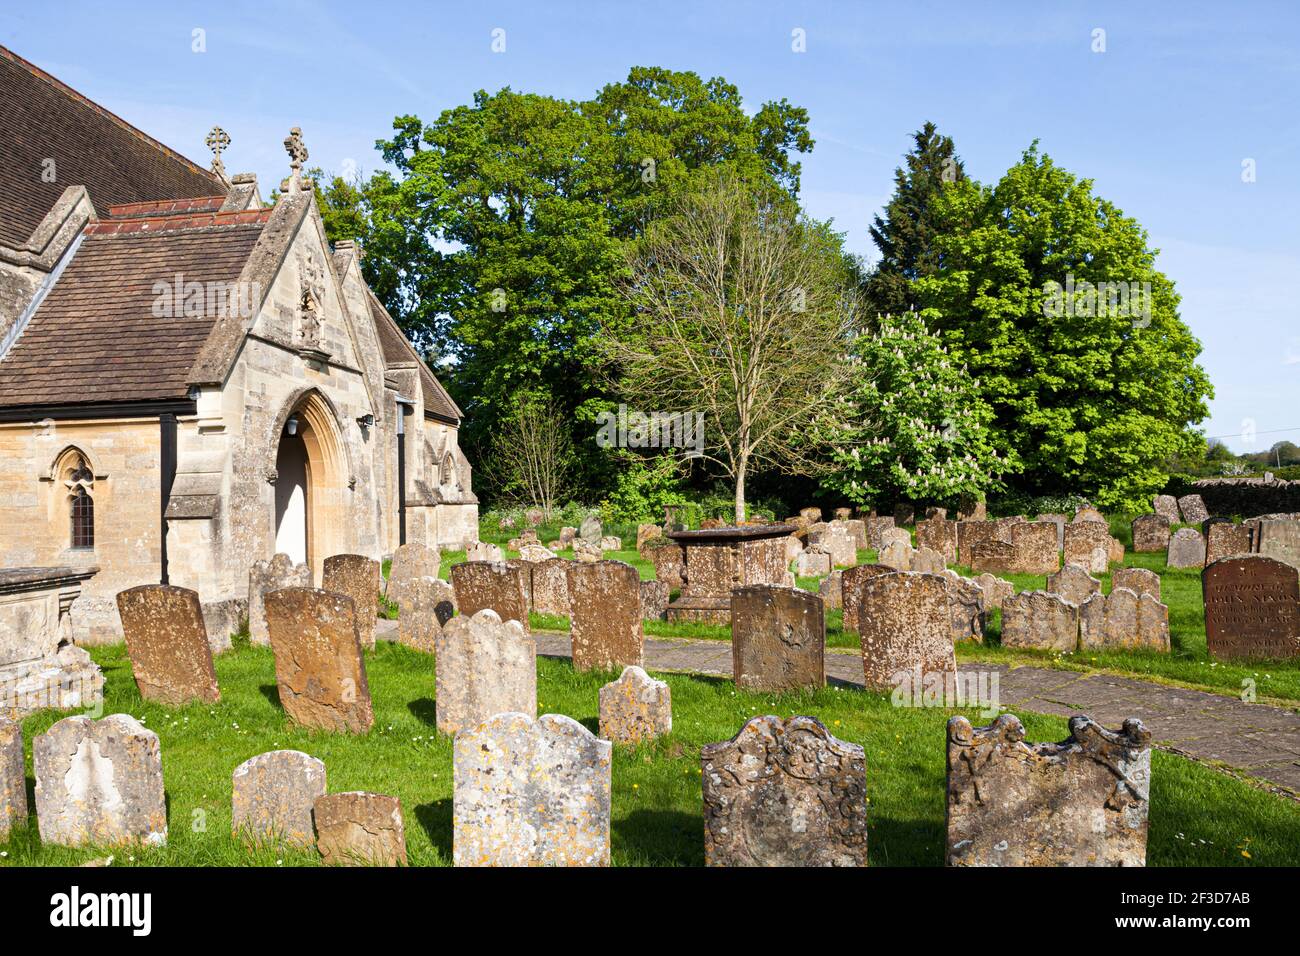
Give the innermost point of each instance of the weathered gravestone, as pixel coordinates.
(319, 670)
(1059, 521)
(895, 536)
(784, 793)
(498, 585)
(839, 543)
(485, 666)
(778, 639)
(1150, 533)
(928, 561)
(1088, 543)
(812, 563)
(272, 796)
(534, 553)
(99, 781)
(429, 605)
(1040, 620)
(971, 534)
(635, 707)
(996, 590)
(852, 581)
(13, 780)
(1193, 509)
(1137, 580)
(1074, 583)
(1223, 539)
(605, 615)
(813, 515)
(264, 577)
(590, 529)
(905, 622)
(897, 555)
(644, 533)
(484, 551)
(1035, 549)
(669, 559)
(1089, 513)
(359, 578)
(168, 644)
(654, 600)
(410, 563)
(857, 529)
(876, 528)
(831, 590)
(1124, 619)
(1252, 608)
(1167, 507)
(966, 599)
(938, 534)
(550, 587)
(530, 793)
(1082, 802)
(1186, 549)
(992, 555)
(360, 829)
(1280, 539)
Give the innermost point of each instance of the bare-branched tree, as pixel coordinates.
(531, 454)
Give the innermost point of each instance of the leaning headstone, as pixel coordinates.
(1280, 539)
(1193, 509)
(13, 780)
(550, 587)
(1082, 802)
(605, 615)
(784, 793)
(319, 670)
(1088, 543)
(1040, 620)
(359, 578)
(938, 534)
(264, 577)
(272, 795)
(1223, 539)
(1074, 583)
(99, 781)
(654, 600)
(635, 708)
(168, 644)
(1186, 549)
(897, 555)
(485, 667)
(1150, 533)
(1137, 580)
(905, 622)
(410, 562)
(778, 639)
(1167, 507)
(669, 559)
(1252, 608)
(530, 793)
(360, 829)
(851, 584)
(498, 585)
(430, 604)
(1124, 619)
(484, 551)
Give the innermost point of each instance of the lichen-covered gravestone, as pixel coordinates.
(831, 590)
(272, 796)
(1088, 543)
(938, 534)
(654, 600)
(360, 578)
(635, 707)
(996, 590)
(13, 781)
(486, 666)
(1167, 507)
(530, 793)
(1074, 583)
(264, 577)
(99, 781)
(1137, 580)
(905, 621)
(1082, 802)
(498, 585)
(1124, 619)
(360, 829)
(168, 644)
(778, 639)
(605, 615)
(319, 670)
(550, 587)
(851, 583)
(1150, 533)
(1041, 620)
(430, 603)
(1193, 509)
(1225, 539)
(784, 793)
(897, 555)
(410, 562)
(1035, 548)
(1279, 538)
(1186, 549)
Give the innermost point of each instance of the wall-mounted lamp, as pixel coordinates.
(366, 421)
(291, 426)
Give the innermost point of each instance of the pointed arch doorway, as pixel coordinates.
(311, 484)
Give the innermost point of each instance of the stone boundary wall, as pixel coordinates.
(1248, 496)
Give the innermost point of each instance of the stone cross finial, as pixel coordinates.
(218, 139)
(297, 156)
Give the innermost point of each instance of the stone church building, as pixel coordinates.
(192, 379)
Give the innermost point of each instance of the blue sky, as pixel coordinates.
(1161, 121)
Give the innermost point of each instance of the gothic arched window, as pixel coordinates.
(83, 520)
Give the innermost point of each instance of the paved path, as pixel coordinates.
(1255, 740)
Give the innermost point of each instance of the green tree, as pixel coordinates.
(1094, 386)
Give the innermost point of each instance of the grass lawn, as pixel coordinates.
(1198, 816)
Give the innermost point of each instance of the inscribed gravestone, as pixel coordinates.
(410, 562)
(876, 527)
(1124, 619)
(359, 578)
(897, 555)
(1040, 620)
(498, 585)
(265, 576)
(1186, 549)
(550, 587)
(272, 796)
(1150, 533)
(778, 639)
(429, 605)
(1193, 509)
(605, 615)
(1252, 608)
(168, 644)
(1137, 580)
(635, 707)
(905, 621)
(485, 666)
(360, 829)
(831, 590)
(1167, 507)
(1074, 583)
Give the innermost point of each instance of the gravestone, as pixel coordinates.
(485, 666)
(1082, 802)
(895, 536)
(430, 604)
(839, 543)
(1224, 539)
(534, 553)
(857, 529)
(1137, 580)
(1167, 507)
(996, 590)
(928, 561)
(1088, 543)
(851, 584)
(876, 527)
(654, 600)
(1186, 549)
(1150, 533)
(778, 639)
(1074, 583)
(530, 793)
(1252, 608)
(635, 708)
(966, 599)
(360, 829)
(970, 534)
(644, 533)
(1089, 513)
(550, 587)
(938, 534)
(1280, 539)
(319, 670)
(590, 529)
(669, 559)
(1059, 521)
(784, 793)
(498, 585)
(1124, 619)
(1035, 549)
(1193, 509)
(484, 551)
(13, 779)
(812, 564)
(831, 590)
(905, 622)
(264, 577)
(359, 578)
(410, 563)
(99, 781)
(813, 515)
(605, 615)
(897, 555)
(993, 555)
(272, 796)
(168, 644)
(1040, 620)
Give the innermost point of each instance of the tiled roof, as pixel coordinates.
(96, 337)
(41, 119)
(398, 351)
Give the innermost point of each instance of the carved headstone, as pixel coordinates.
(876, 527)
(1040, 620)
(1167, 507)
(1074, 583)
(484, 551)
(13, 779)
(905, 621)
(1193, 509)
(360, 829)
(99, 781)
(1137, 580)
(1124, 619)
(1035, 549)
(1082, 802)
(966, 599)
(654, 600)
(812, 564)
(938, 534)
(272, 796)
(429, 605)
(550, 587)
(485, 667)
(410, 562)
(359, 578)
(784, 793)
(635, 707)
(498, 585)
(778, 639)
(1252, 608)
(1150, 533)
(1280, 539)
(1186, 549)
(857, 529)
(831, 590)
(605, 615)
(993, 555)
(1088, 543)
(168, 644)
(319, 670)
(531, 793)
(263, 577)
(851, 584)
(1224, 539)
